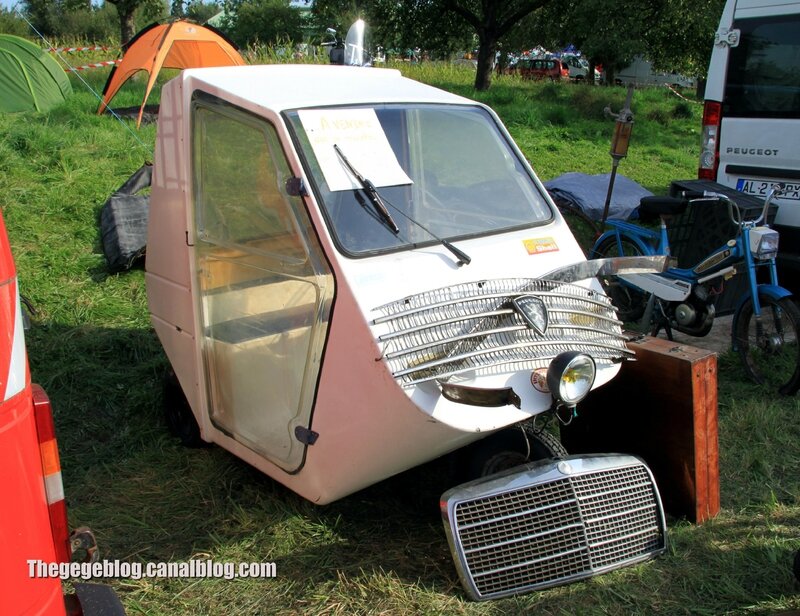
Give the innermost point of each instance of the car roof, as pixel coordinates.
(292, 86)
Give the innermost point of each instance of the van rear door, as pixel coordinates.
(760, 123)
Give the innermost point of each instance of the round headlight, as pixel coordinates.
(570, 377)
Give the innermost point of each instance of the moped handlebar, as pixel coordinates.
(775, 191)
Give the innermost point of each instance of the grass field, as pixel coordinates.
(148, 499)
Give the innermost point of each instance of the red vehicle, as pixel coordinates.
(539, 68)
(34, 533)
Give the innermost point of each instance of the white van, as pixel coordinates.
(751, 121)
(578, 67)
(640, 73)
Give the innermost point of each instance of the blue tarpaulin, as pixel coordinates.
(588, 194)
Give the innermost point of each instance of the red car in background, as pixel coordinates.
(540, 68)
(33, 515)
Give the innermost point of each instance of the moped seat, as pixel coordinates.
(661, 206)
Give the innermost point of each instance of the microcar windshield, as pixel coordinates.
(443, 171)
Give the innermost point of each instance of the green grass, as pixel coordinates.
(374, 552)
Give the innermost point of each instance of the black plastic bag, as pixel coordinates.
(123, 221)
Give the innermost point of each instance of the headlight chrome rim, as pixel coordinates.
(570, 377)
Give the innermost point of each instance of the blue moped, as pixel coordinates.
(766, 318)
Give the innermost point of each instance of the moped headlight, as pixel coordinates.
(571, 376)
(764, 243)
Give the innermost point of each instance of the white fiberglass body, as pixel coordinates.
(312, 326)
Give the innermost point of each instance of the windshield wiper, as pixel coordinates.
(371, 192)
(380, 207)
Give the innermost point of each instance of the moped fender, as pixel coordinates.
(772, 291)
(645, 250)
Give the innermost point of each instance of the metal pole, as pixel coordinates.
(619, 146)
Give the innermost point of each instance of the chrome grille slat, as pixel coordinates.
(429, 345)
(591, 315)
(528, 563)
(472, 327)
(450, 321)
(493, 546)
(549, 506)
(509, 347)
(467, 298)
(548, 527)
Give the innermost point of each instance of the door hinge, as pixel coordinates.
(306, 435)
(727, 37)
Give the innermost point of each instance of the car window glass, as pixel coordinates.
(764, 69)
(466, 181)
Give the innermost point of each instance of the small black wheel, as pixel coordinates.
(770, 353)
(629, 301)
(178, 415)
(508, 448)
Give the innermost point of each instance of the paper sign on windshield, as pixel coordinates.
(361, 139)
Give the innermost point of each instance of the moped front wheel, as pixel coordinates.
(629, 301)
(770, 352)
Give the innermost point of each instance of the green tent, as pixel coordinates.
(29, 78)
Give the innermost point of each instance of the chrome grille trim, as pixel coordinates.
(478, 296)
(459, 319)
(540, 525)
(472, 327)
(509, 347)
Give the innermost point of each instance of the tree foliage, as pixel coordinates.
(262, 21)
(673, 34)
(11, 23)
(80, 19)
(396, 25)
(683, 37)
(200, 11)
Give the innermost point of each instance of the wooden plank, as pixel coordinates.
(663, 408)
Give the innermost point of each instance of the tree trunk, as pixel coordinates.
(590, 73)
(701, 88)
(487, 49)
(610, 76)
(127, 25)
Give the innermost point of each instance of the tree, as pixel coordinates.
(673, 34)
(491, 20)
(200, 11)
(12, 23)
(126, 9)
(683, 38)
(42, 15)
(264, 21)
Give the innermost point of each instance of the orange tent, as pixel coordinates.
(178, 44)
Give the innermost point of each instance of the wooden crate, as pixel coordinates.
(663, 408)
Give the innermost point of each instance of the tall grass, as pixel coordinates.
(374, 552)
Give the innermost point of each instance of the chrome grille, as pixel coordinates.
(474, 327)
(538, 526)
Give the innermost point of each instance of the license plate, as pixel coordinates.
(760, 188)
